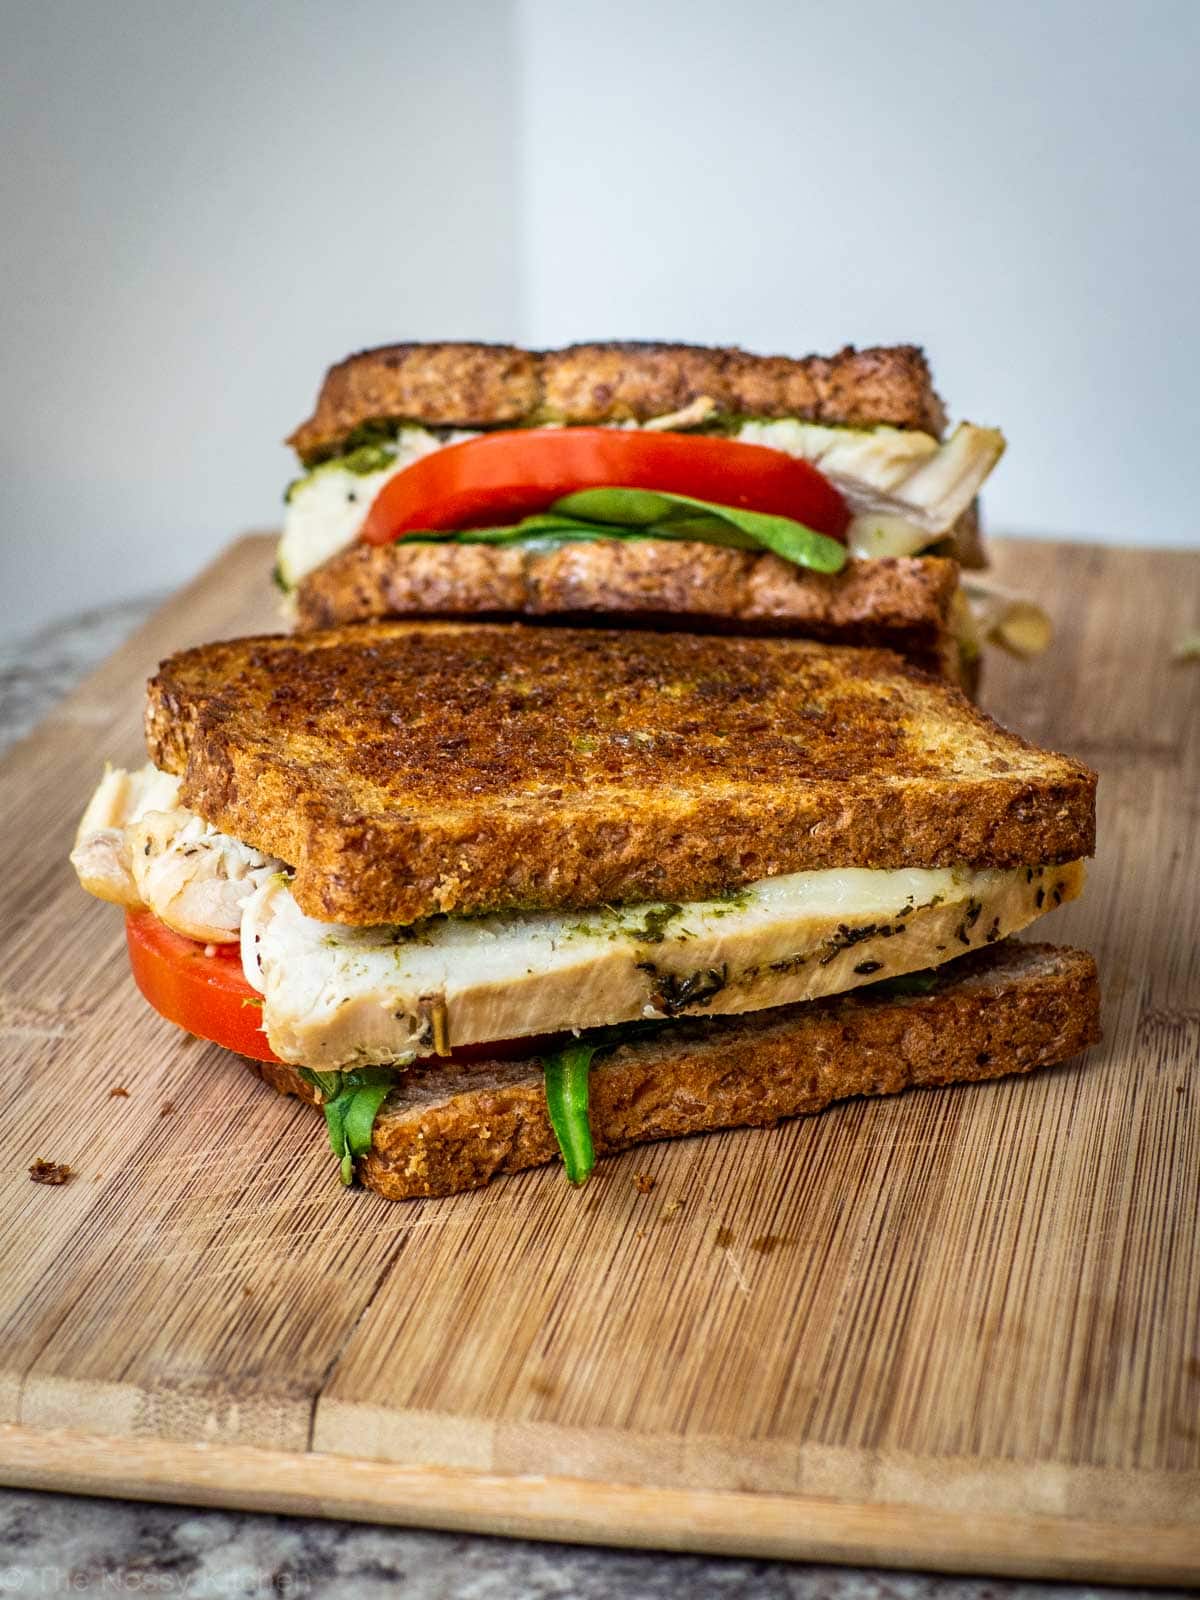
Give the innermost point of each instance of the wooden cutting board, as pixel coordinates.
(957, 1329)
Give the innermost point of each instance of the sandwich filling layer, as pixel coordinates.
(336, 997)
(905, 488)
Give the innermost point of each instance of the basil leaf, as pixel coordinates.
(358, 1118)
(335, 1123)
(630, 508)
(351, 1101)
(533, 527)
(567, 1102)
(642, 509)
(327, 1082)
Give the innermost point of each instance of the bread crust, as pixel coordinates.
(406, 769)
(895, 604)
(466, 385)
(1004, 1010)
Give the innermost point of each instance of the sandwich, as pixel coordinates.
(493, 895)
(647, 485)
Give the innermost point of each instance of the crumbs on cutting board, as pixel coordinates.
(117, 1092)
(167, 1109)
(766, 1242)
(644, 1182)
(52, 1172)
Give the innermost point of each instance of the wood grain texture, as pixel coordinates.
(957, 1329)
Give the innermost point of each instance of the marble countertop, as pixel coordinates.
(62, 1544)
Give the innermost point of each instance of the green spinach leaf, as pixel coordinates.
(567, 1073)
(351, 1101)
(643, 509)
(615, 513)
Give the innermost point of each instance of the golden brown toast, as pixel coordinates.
(895, 604)
(405, 769)
(491, 385)
(1004, 1010)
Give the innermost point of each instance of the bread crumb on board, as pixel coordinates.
(644, 1182)
(52, 1172)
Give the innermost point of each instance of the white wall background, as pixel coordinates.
(202, 205)
(1016, 186)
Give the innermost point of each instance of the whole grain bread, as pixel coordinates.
(1007, 1009)
(896, 604)
(406, 769)
(490, 385)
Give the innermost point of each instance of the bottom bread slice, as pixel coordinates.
(1003, 1010)
(895, 603)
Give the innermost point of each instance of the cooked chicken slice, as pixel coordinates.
(194, 878)
(337, 997)
(138, 847)
(891, 473)
(101, 854)
(1014, 621)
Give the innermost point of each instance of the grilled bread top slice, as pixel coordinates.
(407, 769)
(493, 385)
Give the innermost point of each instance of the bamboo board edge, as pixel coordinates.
(579, 1511)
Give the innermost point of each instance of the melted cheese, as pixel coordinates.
(326, 508)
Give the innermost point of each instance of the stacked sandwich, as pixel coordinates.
(496, 894)
(457, 881)
(650, 485)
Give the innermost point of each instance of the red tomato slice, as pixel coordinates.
(208, 994)
(501, 477)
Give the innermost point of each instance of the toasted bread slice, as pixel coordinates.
(897, 604)
(1004, 1010)
(488, 386)
(406, 769)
